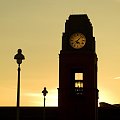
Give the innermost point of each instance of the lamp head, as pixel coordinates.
(44, 91)
(19, 56)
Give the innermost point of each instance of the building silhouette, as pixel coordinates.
(36, 113)
(78, 71)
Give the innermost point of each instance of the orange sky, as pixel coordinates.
(36, 26)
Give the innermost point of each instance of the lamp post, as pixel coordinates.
(44, 94)
(19, 57)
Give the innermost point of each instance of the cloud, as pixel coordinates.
(116, 78)
(51, 93)
(32, 94)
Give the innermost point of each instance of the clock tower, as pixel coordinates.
(77, 92)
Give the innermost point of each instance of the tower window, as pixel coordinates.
(78, 76)
(79, 83)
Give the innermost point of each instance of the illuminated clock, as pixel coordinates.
(77, 40)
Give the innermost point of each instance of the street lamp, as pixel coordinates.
(19, 57)
(44, 94)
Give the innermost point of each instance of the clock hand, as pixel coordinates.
(77, 41)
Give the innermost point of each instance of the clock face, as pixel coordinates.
(77, 40)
